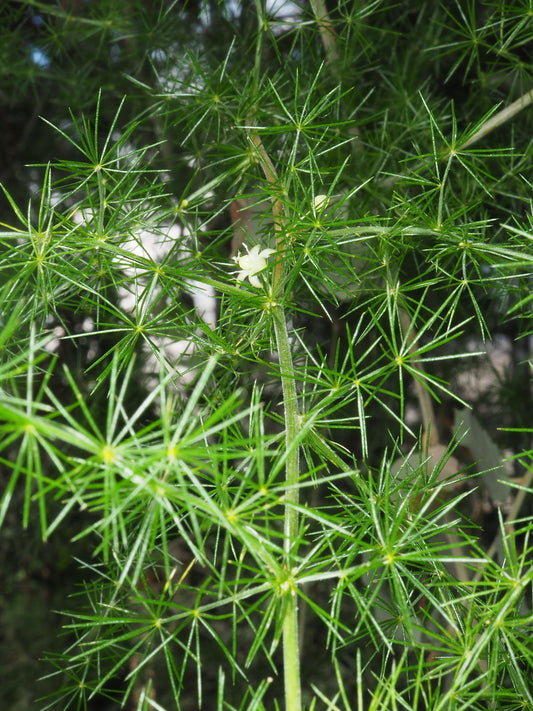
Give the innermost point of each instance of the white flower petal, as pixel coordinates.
(252, 263)
(321, 201)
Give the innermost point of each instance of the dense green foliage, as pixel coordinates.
(257, 260)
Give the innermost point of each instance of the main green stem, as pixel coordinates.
(291, 650)
(290, 630)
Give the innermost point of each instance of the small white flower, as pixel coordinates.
(321, 202)
(252, 263)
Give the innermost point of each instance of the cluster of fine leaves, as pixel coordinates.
(141, 404)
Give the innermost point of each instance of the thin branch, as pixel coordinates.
(508, 524)
(424, 400)
(329, 41)
(290, 628)
(325, 28)
(278, 210)
(498, 119)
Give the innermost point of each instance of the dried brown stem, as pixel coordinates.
(424, 400)
(325, 28)
(500, 118)
(508, 525)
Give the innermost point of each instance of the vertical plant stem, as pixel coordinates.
(291, 651)
(290, 627)
(290, 405)
(325, 28)
(291, 655)
(429, 421)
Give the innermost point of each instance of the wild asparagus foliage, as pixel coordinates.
(256, 543)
